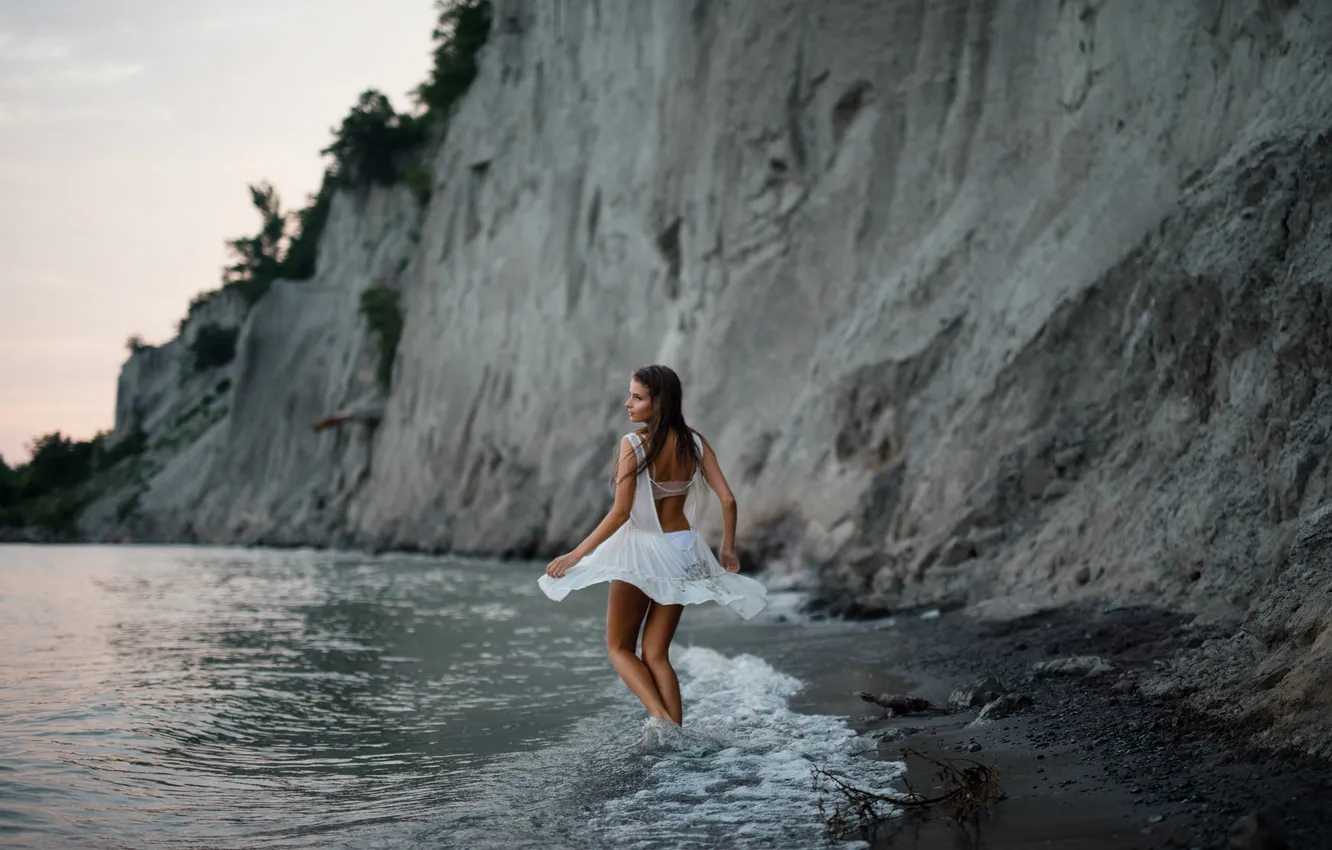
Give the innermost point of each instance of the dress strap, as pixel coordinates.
(643, 513)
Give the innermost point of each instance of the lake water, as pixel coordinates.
(161, 696)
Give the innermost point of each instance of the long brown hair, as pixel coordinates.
(667, 395)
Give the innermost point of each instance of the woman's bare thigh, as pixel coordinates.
(625, 610)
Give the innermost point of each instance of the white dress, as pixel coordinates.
(673, 569)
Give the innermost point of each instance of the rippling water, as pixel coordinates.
(186, 697)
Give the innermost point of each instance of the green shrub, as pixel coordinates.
(258, 258)
(62, 476)
(8, 485)
(57, 462)
(213, 346)
(191, 424)
(48, 490)
(464, 26)
(130, 445)
(57, 511)
(420, 178)
(382, 309)
(374, 142)
(302, 250)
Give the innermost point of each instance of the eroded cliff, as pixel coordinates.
(998, 303)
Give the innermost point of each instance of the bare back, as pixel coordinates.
(667, 471)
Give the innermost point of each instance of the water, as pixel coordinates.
(187, 697)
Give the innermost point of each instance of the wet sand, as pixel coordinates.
(1093, 763)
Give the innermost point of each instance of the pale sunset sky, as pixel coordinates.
(129, 130)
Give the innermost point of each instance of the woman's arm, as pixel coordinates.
(618, 515)
(713, 474)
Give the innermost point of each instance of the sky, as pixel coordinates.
(129, 131)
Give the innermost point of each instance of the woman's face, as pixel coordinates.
(639, 403)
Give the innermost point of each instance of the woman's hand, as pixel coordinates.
(561, 565)
(729, 561)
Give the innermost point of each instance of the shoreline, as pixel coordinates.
(1093, 763)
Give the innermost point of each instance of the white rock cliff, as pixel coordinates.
(999, 303)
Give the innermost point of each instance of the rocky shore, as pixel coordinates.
(1098, 759)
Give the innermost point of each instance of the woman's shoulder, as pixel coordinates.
(635, 438)
(699, 438)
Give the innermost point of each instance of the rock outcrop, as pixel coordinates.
(991, 303)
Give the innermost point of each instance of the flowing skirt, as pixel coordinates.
(673, 569)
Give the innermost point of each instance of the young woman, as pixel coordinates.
(647, 547)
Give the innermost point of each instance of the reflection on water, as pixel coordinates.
(188, 697)
(208, 688)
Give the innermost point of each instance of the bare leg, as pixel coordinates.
(624, 614)
(657, 636)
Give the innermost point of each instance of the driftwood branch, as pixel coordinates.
(898, 705)
(968, 788)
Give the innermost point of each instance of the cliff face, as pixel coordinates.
(159, 385)
(995, 302)
(250, 466)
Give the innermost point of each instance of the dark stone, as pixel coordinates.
(1258, 830)
(843, 605)
(1004, 706)
(977, 694)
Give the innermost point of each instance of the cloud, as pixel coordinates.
(257, 20)
(102, 75)
(26, 114)
(216, 25)
(29, 62)
(41, 48)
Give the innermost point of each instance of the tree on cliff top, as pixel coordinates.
(373, 145)
(372, 141)
(464, 26)
(299, 262)
(259, 257)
